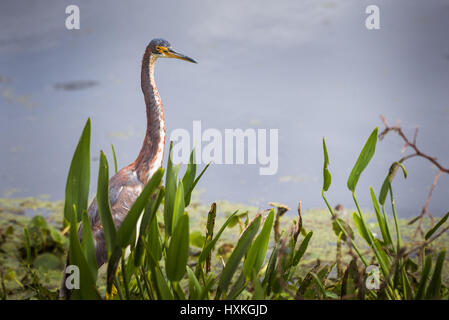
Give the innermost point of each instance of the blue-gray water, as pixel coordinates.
(309, 68)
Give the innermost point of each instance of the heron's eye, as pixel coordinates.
(160, 49)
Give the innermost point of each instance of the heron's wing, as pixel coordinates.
(124, 188)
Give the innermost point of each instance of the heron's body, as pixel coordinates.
(127, 184)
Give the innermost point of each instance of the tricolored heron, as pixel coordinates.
(126, 185)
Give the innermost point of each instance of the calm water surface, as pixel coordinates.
(308, 68)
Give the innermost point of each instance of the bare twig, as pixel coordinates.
(417, 153)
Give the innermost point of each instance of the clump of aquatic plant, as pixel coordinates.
(153, 259)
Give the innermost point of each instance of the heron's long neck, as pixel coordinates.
(152, 152)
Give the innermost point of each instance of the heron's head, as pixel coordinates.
(163, 49)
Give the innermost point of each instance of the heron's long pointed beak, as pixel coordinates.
(170, 53)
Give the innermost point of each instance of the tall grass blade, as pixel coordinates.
(258, 250)
(89, 246)
(327, 178)
(103, 203)
(78, 179)
(189, 178)
(433, 290)
(178, 250)
(170, 192)
(437, 226)
(363, 160)
(237, 254)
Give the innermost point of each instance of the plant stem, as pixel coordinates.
(398, 232)
(125, 281)
(345, 232)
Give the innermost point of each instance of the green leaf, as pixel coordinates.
(389, 179)
(115, 158)
(237, 254)
(189, 178)
(27, 245)
(211, 244)
(162, 287)
(337, 226)
(424, 277)
(327, 178)
(78, 179)
(197, 239)
(170, 192)
(89, 246)
(257, 252)
(302, 249)
(154, 242)
(178, 250)
(361, 227)
(189, 192)
(128, 226)
(438, 225)
(87, 289)
(433, 290)
(363, 160)
(178, 208)
(383, 224)
(194, 285)
(104, 208)
(270, 271)
(148, 216)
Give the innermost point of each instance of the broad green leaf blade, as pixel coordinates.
(389, 179)
(257, 252)
(194, 285)
(327, 178)
(78, 179)
(178, 250)
(128, 226)
(189, 193)
(238, 287)
(87, 289)
(424, 277)
(363, 160)
(27, 245)
(237, 254)
(302, 249)
(189, 178)
(148, 216)
(270, 271)
(212, 243)
(383, 224)
(151, 210)
(104, 208)
(154, 242)
(361, 228)
(89, 246)
(434, 288)
(437, 226)
(178, 207)
(170, 192)
(162, 287)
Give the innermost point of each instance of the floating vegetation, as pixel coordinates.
(75, 85)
